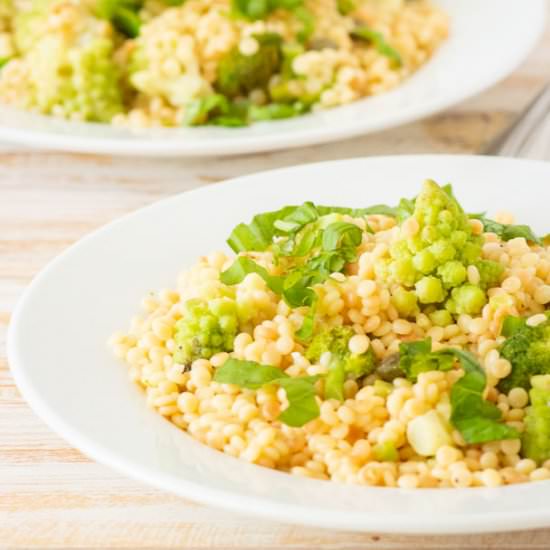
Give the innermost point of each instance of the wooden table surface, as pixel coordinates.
(53, 496)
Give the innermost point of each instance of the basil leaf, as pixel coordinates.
(242, 266)
(302, 404)
(298, 218)
(305, 332)
(258, 235)
(379, 42)
(304, 242)
(341, 234)
(507, 231)
(475, 418)
(247, 374)
(300, 391)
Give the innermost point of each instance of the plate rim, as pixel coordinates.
(183, 147)
(258, 506)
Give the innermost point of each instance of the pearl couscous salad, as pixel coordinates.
(143, 63)
(403, 346)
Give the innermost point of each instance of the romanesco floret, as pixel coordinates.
(528, 350)
(66, 67)
(434, 256)
(343, 363)
(490, 273)
(205, 329)
(239, 74)
(536, 436)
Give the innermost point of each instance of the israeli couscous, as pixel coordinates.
(402, 346)
(143, 63)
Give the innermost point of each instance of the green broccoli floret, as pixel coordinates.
(65, 70)
(528, 350)
(239, 74)
(433, 258)
(343, 363)
(536, 437)
(206, 328)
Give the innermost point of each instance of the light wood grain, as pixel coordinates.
(50, 494)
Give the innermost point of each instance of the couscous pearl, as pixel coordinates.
(510, 446)
(518, 398)
(491, 478)
(358, 344)
(408, 481)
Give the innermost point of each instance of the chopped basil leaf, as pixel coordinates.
(302, 404)
(340, 234)
(300, 391)
(476, 419)
(242, 266)
(507, 231)
(247, 374)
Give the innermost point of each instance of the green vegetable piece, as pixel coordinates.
(528, 350)
(429, 290)
(239, 74)
(468, 299)
(334, 382)
(417, 357)
(242, 266)
(123, 14)
(511, 324)
(434, 258)
(199, 111)
(300, 391)
(388, 370)
(346, 6)
(307, 20)
(68, 74)
(206, 328)
(258, 9)
(302, 404)
(452, 274)
(477, 420)
(379, 42)
(382, 388)
(385, 452)
(247, 374)
(340, 234)
(490, 273)
(441, 318)
(405, 301)
(276, 111)
(507, 231)
(343, 363)
(536, 437)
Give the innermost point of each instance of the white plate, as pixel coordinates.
(488, 40)
(58, 354)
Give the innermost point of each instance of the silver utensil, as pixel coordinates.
(529, 136)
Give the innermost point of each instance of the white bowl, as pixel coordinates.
(58, 354)
(488, 40)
